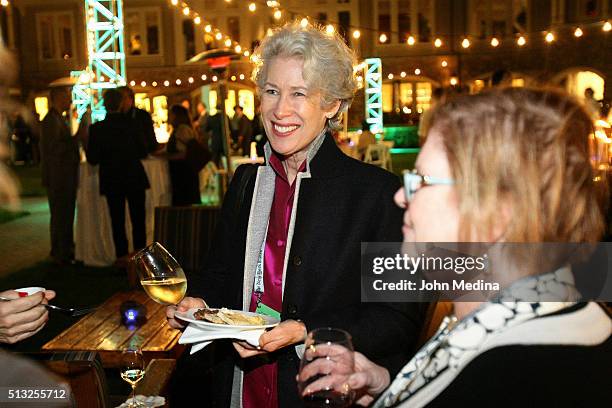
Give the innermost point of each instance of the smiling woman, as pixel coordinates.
(289, 241)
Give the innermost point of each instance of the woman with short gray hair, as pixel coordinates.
(288, 243)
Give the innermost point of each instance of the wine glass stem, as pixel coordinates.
(133, 404)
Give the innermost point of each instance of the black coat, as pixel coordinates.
(118, 152)
(344, 203)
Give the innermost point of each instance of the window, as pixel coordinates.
(344, 24)
(519, 16)
(55, 35)
(142, 31)
(403, 20)
(322, 18)
(189, 38)
(387, 97)
(489, 17)
(233, 28)
(424, 16)
(384, 19)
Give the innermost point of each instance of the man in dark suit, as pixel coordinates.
(60, 173)
(140, 121)
(215, 125)
(118, 151)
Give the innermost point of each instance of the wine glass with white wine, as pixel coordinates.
(160, 274)
(132, 371)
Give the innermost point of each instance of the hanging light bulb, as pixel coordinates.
(607, 26)
(465, 43)
(383, 38)
(214, 78)
(208, 28)
(238, 49)
(197, 20)
(403, 74)
(174, 2)
(252, 7)
(356, 34)
(203, 77)
(454, 81)
(521, 41)
(132, 83)
(277, 14)
(550, 37)
(241, 77)
(186, 11)
(417, 72)
(578, 32)
(178, 82)
(444, 63)
(4, 3)
(233, 78)
(218, 36)
(329, 29)
(228, 42)
(190, 80)
(304, 22)
(411, 41)
(438, 43)
(246, 53)
(494, 42)
(390, 76)
(154, 84)
(166, 83)
(143, 84)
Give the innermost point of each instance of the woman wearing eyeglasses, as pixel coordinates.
(506, 166)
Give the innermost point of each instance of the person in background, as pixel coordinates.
(60, 172)
(118, 151)
(438, 95)
(366, 138)
(215, 126)
(242, 130)
(185, 180)
(259, 132)
(201, 123)
(186, 103)
(296, 224)
(506, 179)
(140, 121)
(591, 104)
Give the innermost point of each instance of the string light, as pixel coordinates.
(444, 63)
(271, 3)
(578, 32)
(411, 41)
(241, 77)
(4, 3)
(218, 36)
(178, 82)
(246, 53)
(521, 41)
(454, 81)
(252, 7)
(143, 84)
(417, 72)
(438, 43)
(214, 78)
(494, 42)
(390, 76)
(203, 77)
(382, 38)
(238, 49)
(190, 80)
(277, 14)
(607, 26)
(550, 37)
(304, 22)
(166, 83)
(174, 2)
(208, 28)
(154, 83)
(233, 78)
(228, 42)
(329, 29)
(132, 83)
(197, 20)
(356, 34)
(465, 43)
(403, 74)
(186, 11)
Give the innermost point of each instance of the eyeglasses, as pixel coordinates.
(413, 181)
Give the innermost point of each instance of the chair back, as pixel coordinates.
(83, 371)
(379, 155)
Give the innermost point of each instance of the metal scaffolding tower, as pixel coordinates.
(373, 94)
(106, 68)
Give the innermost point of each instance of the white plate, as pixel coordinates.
(188, 317)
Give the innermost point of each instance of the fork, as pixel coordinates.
(74, 312)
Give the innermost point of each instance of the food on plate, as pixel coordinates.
(229, 317)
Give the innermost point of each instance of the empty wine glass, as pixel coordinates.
(160, 274)
(325, 368)
(132, 371)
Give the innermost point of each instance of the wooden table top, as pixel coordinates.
(103, 332)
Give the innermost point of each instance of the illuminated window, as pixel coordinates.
(55, 35)
(406, 94)
(387, 97)
(142, 101)
(423, 96)
(246, 99)
(41, 104)
(143, 31)
(212, 102)
(518, 82)
(160, 109)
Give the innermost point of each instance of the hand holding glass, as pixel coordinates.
(325, 369)
(160, 274)
(132, 371)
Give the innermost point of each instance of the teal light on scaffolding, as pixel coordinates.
(106, 66)
(373, 94)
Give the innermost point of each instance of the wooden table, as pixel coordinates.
(103, 332)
